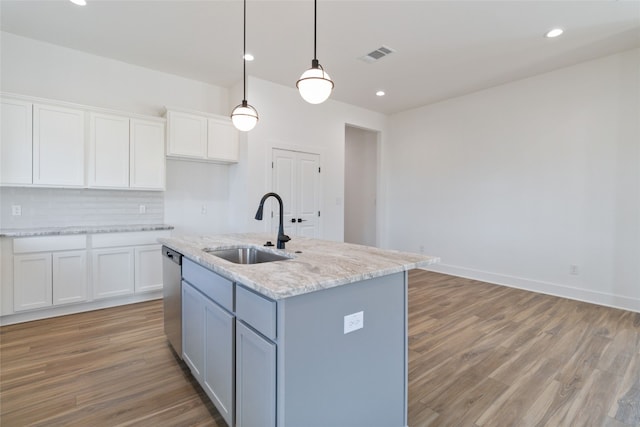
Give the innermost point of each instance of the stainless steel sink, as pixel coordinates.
(245, 255)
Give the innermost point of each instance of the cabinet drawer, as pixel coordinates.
(209, 283)
(131, 238)
(49, 243)
(257, 311)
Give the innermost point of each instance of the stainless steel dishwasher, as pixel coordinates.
(172, 290)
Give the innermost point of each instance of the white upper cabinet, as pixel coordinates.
(58, 146)
(43, 145)
(187, 135)
(16, 145)
(147, 159)
(202, 137)
(108, 151)
(126, 152)
(222, 140)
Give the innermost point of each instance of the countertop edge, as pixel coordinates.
(92, 229)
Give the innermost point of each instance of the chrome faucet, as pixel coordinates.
(282, 238)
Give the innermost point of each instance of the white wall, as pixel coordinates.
(31, 67)
(360, 186)
(516, 183)
(287, 121)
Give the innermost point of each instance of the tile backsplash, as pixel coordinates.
(62, 207)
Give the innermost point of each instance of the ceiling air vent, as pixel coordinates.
(377, 54)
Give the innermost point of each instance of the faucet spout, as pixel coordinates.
(282, 238)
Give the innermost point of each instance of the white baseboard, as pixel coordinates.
(564, 291)
(63, 310)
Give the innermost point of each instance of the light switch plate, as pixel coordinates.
(353, 322)
(16, 210)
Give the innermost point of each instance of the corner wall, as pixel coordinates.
(517, 183)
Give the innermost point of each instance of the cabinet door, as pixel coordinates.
(16, 147)
(31, 281)
(69, 277)
(148, 266)
(193, 330)
(112, 272)
(108, 151)
(58, 146)
(219, 358)
(147, 155)
(255, 379)
(187, 135)
(222, 141)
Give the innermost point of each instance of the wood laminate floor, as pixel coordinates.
(479, 355)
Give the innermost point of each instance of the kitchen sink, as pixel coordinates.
(245, 255)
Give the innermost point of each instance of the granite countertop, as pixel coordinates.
(314, 264)
(92, 229)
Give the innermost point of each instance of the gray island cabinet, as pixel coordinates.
(319, 339)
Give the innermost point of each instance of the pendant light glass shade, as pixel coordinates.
(244, 117)
(315, 85)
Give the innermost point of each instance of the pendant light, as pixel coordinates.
(244, 117)
(315, 85)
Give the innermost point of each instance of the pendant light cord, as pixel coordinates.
(244, 54)
(315, 19)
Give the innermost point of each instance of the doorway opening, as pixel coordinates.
(360, 186)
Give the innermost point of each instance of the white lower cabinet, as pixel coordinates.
(148, 268)
(69, 277)
(49, 271)
(126, 263)
(113, 272)
(45, 279)
(32, 287)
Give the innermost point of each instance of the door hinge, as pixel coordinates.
(318, 213)
(271, 165)
(318, 169)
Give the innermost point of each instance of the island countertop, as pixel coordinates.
(313, 265)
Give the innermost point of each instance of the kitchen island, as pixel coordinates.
(317, 339)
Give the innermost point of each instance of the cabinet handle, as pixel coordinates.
(301, 220)
(293, 220)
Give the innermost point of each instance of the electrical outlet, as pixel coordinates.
(203, 210)
(353, 322)
(421, 249)
(142, 209)
(573, 270)
(16, 210)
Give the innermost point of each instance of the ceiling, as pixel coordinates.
(442, 49)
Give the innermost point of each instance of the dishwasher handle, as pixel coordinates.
(172, 255)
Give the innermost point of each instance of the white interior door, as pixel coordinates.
(296, 178)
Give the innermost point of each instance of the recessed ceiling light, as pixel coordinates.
(79, 2)
(380, 93)
(248, 57)
(555, 32)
